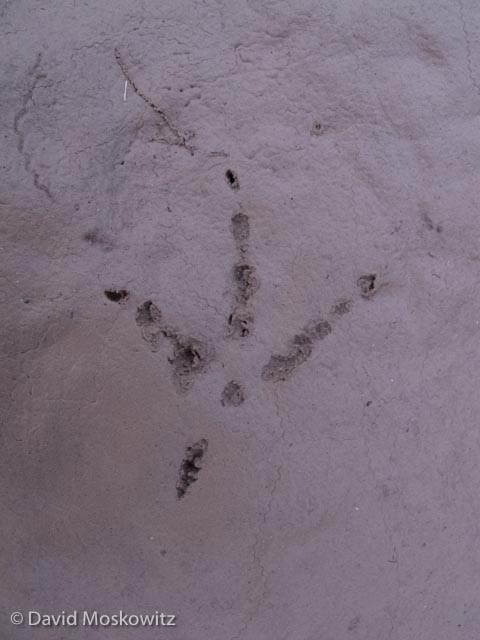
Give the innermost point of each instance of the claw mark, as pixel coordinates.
(33, 73)
(191, 465)
(180, 139)
(232, 179)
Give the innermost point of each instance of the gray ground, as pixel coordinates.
(270, 426)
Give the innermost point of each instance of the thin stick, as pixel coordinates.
(125, 92)
(181, 138)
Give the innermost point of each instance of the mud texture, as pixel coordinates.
(252, 223)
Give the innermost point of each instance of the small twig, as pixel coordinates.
(181, 139)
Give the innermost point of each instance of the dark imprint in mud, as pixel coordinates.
(281, 367)
(191, 464)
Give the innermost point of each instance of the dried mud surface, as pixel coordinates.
(250, 227)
